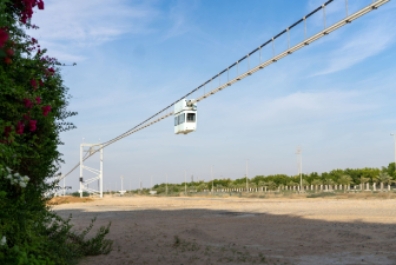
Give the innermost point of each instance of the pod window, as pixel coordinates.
(190, 117)
(181, 118)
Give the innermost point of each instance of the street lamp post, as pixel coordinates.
(211, 175)
(299, 159)
(166, 185)
(140, 185)
(394, 138)
(246, 175)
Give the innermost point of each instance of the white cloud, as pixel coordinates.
(373, 38)
(179, 17)
(66, 27)
(333, 101)
(307, 106)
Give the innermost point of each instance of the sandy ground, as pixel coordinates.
(67, 199)
(190, 231)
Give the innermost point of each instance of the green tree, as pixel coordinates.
(317, 182)
(391, 170)
(345, 180)
(311, 177)
(383, 178)
(271, 185)
(261, 184)
(363, 180)
(292, 183)
(329, 181)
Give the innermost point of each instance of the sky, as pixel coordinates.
(334, 98)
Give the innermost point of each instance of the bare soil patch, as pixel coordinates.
(67, 199)
(150, 230)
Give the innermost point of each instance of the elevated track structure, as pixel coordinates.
(222, 80)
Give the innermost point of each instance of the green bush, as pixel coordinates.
(33, 102)
(77, 194)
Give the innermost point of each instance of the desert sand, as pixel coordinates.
(193, 230)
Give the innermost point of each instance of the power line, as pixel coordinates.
(327, 30)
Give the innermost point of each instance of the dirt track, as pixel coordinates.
(242, 231)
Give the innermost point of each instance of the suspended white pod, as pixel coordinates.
(185, 116)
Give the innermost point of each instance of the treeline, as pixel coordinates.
(382, 176)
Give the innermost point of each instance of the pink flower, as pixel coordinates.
(34, 41)
(41, 83)
(38, 100)
(20, 127)
(46, 110)
(3, 37)
(28, 103)
(26, 116)
(8, 60)
(32, 125)
(27, 13)
(7, 131)
(40, 4)
(10, 52)
(51, 70)
(33, 83)
(23, 18)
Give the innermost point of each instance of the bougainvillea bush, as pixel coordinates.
(33, 112)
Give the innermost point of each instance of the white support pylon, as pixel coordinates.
(99, 173)
(299, 164)
(122, 191)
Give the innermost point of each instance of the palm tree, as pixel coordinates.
(345, 180)
(292, 184)
(328, 182)
(281, 187)
(253, 185)
(261, 184)
(241, 186)
(203, 186)
(271, 185)
(316, 182)
(363, 180)
(383, 178)
(304, 184)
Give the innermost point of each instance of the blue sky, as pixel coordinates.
(334, 98)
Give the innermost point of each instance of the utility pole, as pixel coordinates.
(246, 175)
(122, 191)
(140, 184)
(394, 138)
(211, 174)
(185, 183)
(299, 164)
